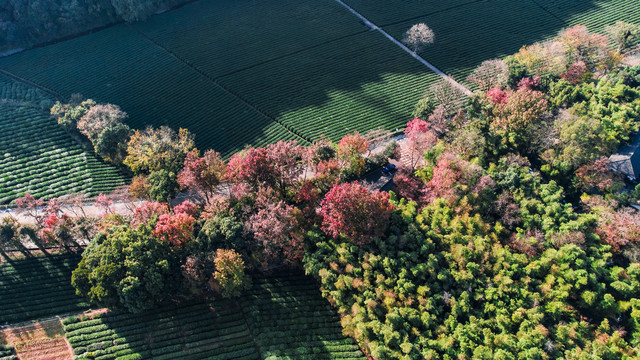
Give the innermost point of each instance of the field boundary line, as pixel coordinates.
(549, 12)
(29, 82)
(403, 47)
(292, 53)
(431, 13)
(217, 83)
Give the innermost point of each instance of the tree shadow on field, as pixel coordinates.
(39, 287)
(218, 67)
(290, 320)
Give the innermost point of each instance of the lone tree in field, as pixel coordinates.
(624, 34)
(418, 35)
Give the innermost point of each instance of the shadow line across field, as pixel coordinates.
(248, 72)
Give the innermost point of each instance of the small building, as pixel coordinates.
(627, 159)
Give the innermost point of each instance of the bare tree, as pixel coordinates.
(418, 35)
(450, 97)
(624, 34)
(490, 74)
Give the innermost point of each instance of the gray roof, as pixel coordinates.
(627, 159)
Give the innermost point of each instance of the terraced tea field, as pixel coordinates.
(290, 320)
(468, 32)
(254, 72)
(239, 72)
(282, 317)
(38, 287)
(37, 156)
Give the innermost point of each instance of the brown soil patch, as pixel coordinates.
(41, 341)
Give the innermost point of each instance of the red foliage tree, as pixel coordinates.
(409, 187)
(453, 178)
(188, 208)
(202, 174)
(288, 160)
(276, 228)
(352, 211)
(619, 228)
(36, 209)
(327, 174)
(498, 96)
(529, 83)
(175, 229)
(576, 73)
(597, 176)
(420, 138)
(147, 210)
(104, 203)
(521, 109)
(351, 150)
(277, 166)
(251, 166)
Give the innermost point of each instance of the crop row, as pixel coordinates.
(360, 82)
(36, 156)
(150, 84)
(7, 352)
(13, 90)
(289, 310)
(226, 37)
(221, 329)
(289, 66)
(38, 287)
(468, 32)
(188, 332)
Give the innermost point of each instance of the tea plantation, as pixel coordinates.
(234, 76)
(281, 317)
(468, 32)
(38, 287)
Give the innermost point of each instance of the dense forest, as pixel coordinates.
(25, 23)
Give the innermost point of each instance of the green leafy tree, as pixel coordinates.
(127, 268)
(162, 185)
(230, 277)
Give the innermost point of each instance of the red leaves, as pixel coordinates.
(619, 228)
(202, 174)
(352, 144)
(597, 175)
(420, 138)
(520, 109)
(276, 228)
(147, 210)
(352, 211)
(576, 72)
(188, 208)
(497, 96)
(416, 126)
(175, 229)
(103, 202)
(278, 165)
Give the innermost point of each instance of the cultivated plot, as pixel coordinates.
(282, 316)
(469, 32)
(38, 287)
(239, 72)
(38, 157)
